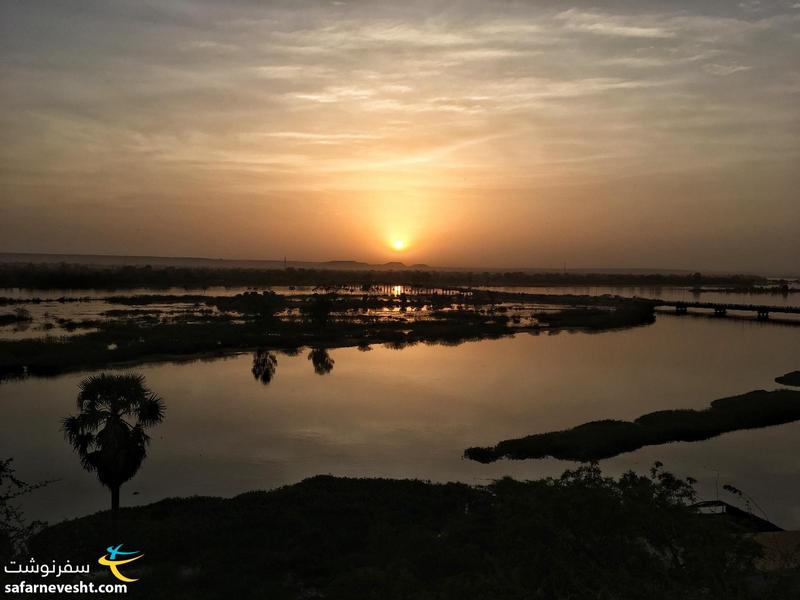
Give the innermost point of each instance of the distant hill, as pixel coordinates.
(107, 260)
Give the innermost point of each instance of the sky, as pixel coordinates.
(653, 134)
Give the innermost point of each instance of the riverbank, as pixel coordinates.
(581, 535)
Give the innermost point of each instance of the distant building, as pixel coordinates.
(746, 520)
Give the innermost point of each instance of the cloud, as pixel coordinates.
(321, 138)
(610, 25)
(288, 86)
(292, 72)
(724, 70)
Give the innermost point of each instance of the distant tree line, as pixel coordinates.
(75, 276)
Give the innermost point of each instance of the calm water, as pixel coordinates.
(664, 293)
(411, 412)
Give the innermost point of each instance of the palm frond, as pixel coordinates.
(150, 411)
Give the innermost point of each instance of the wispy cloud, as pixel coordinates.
(724, 70)
(611, 25)
(306, 89)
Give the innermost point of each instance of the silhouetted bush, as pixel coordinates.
(580, 536)
(318, 309)
(15, 531)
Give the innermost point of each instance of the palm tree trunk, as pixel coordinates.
(115, 512)
(115, 500)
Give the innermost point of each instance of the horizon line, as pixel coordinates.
(293, 262)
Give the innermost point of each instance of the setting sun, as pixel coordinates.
(376, 254)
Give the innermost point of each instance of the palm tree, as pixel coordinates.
(109, 432)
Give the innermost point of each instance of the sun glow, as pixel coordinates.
(399, 245)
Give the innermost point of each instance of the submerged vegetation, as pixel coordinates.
(604, 439)
(19, 315)
(578, 536)
(209, 325)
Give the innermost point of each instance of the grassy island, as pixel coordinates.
(145, 331)
(603, 439)
(792, 379)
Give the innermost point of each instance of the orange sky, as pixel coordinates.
(659, 134)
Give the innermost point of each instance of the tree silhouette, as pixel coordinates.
(264, 365)
(318, 309)
(109, 432)
(322, 361)
(15, 531)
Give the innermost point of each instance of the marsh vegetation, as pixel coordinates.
(158, 327)
(19, 315)
(603, 439)
(792, 378)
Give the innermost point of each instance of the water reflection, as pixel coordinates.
(322, 361)
(264, 365)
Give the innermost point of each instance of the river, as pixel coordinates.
(412, 412)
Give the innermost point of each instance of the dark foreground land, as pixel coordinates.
(603, 439)
(581, 536)
(216, 325)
